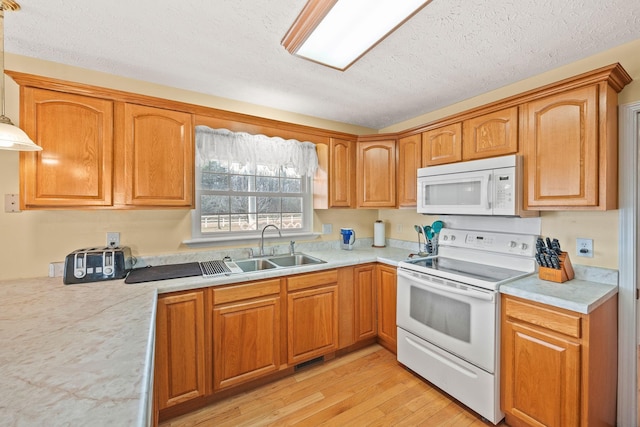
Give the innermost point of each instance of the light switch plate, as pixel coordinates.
(327, 228)
(11, 203)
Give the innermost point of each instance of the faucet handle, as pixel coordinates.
(250, 252)
(292, 249)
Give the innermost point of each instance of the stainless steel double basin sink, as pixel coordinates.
(276, 261)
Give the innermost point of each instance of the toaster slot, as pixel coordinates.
(80, 265)
(107, 263)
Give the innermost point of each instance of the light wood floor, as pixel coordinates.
(364, 388)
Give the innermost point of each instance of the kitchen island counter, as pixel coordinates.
(82, 354)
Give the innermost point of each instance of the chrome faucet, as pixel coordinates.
(262, 237)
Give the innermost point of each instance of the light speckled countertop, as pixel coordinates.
(81, 354)
(590, 288)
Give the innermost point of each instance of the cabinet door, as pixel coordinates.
(490, 135)
(541, 377)
(442, 145)
(386, 284)
(158, 157)
(365, 302)
(75, 165)
(409, 160)
(180, 348)
(312, 323)
(376, 174)
(346, 307)
(342, 174)
(561, 150)
(246, 341)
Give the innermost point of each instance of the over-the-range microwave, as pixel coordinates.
(490, 186)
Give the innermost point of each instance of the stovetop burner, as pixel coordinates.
(484, 259)
(465, 269)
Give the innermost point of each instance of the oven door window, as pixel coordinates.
(458, 318)
(439, 312)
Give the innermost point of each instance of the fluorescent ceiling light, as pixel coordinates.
(336, 33)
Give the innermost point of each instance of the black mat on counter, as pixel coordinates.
(163, 272)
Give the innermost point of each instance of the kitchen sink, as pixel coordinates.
(278, 261)
(255, 264)
(295, 260)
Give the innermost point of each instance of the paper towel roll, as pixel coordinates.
(378, 235)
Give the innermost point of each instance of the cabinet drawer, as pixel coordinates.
(246, 291)
(538, 315)
(311, 280)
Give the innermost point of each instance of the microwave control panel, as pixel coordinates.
(505, 189)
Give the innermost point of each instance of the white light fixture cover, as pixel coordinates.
(338, 32)
(11, 137)
(14, 138)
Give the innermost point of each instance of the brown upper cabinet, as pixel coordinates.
(442, 145)
(376, 177)
(101, 152)
(571, 145)
(75, 166)
(566, 132)
(335, 180)
(409, 158)
(490, 135)
(158, 157)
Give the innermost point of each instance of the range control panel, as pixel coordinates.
(504, 243)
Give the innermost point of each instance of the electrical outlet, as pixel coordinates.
(113, 239)
(584, 247)
(327, 228)
(56, 269)
(399, 228)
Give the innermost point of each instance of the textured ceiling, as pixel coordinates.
(450, 51)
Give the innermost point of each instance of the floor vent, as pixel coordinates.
(309, 363)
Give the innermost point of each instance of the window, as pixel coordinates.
(244, 182)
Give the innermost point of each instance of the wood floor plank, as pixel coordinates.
(364, 388)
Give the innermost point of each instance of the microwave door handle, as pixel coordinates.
(489, 192)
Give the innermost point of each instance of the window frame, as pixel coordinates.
(200, 238)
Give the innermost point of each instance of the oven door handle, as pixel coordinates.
(426, 285)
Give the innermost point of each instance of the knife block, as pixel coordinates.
(564, 274)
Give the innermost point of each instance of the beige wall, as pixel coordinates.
(32, 239)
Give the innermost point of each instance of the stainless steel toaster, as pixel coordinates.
(97, 264)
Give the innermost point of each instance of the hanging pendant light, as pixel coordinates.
(11, 136)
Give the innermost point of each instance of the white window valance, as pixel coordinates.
(244, 148)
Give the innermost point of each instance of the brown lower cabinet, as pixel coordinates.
(246, 332)
(386, 284)
(180, 348)
(312, 315)
(214, 342)
(559, 367)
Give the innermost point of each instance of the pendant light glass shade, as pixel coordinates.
(14, 138)
(11, 136)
